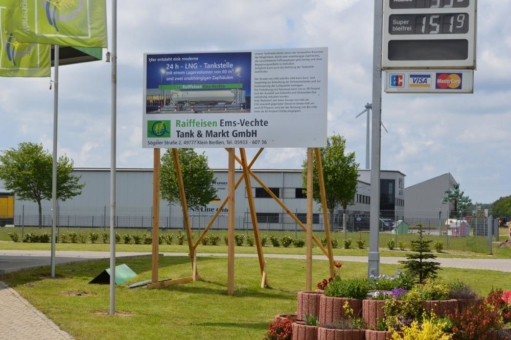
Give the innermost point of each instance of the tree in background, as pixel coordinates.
(457, 197)
(27, 171)
(340, 173)
(502, 207)
(197, 177)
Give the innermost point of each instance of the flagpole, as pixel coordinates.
(54, 166)
(113, 156)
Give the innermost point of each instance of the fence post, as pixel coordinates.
(22, 222)
(490, 231)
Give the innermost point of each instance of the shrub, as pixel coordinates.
(401, 245)
(127, 238)
(348, 288)
(147, 239)
(310, 320)
(461, 291)
(299, 243)
(275, 241)
(226, 240)
(204, 241)
(391, 244)
(117, 238)
(439, 246)
(105, 236)
(82, 238)
(264, 241)
(433, 291)
(280, 329)
(180, 238)
(335, 244)
(430, 328)
(286, 241)
(347, 244)
(30, 238)
(93, 237)
(168, 238)
(137, 239)
(250, 241)
(361, 244)
(214, 240)
(160, 239)
(73, 237)
(239, 240)
(385, 282)
(14, 237)
(64, 238)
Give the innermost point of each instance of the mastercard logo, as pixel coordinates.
(448, 81)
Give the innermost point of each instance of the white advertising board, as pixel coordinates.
(247, 99)
(429, 34)
(429, 81)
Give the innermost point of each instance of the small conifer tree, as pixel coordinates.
(419, 264)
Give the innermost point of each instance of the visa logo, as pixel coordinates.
(397, 80)
(420, 80)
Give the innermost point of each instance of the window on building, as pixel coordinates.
(300, 193)
(267, 217)
(261, 193)
(303, 218)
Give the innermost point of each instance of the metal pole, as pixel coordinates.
(54, 166)
(374, 254)
(113, 149)
(490, 244)
(368, 108)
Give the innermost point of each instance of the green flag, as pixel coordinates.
(78, 23)
(21, 59)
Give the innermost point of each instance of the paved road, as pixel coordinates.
(20, 320)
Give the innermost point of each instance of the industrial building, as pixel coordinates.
(134, 201)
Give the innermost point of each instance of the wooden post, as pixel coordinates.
(325, 212)
(231, 220)
(253, 216)
(308, 271)
(156, 214)
(184, 203)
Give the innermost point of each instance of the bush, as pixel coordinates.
(280, 329)
(117, 238)
(286, 241)
(147, 239)
(30, 238)
(347, 288)
(239, 240)
(168, 238)
(250, 241)
(361, 244)
(299, 243)
(334, 242)
(264, 241)
(226, 240)
(391, 244)
(204, 241)
(64, 238)
(105, 236)
(214, 240)
(275, 241)
(401, 245)
(439, 246)
(82, 238)
(14, 237)
(73, 237)
(137, 239)
(180, 238)
(347, 244)
(461, 291)
(126, 238)
(93, 237)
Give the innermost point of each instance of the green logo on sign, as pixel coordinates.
(158, 128)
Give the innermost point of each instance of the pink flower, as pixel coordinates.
(506, 296)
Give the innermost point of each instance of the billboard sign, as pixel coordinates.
(243, 99)
(429, 34)
(430, 81)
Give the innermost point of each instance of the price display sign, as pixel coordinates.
(429, 34)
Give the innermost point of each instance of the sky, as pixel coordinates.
(467, 135)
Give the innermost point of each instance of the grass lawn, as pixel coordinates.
(195, 310)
